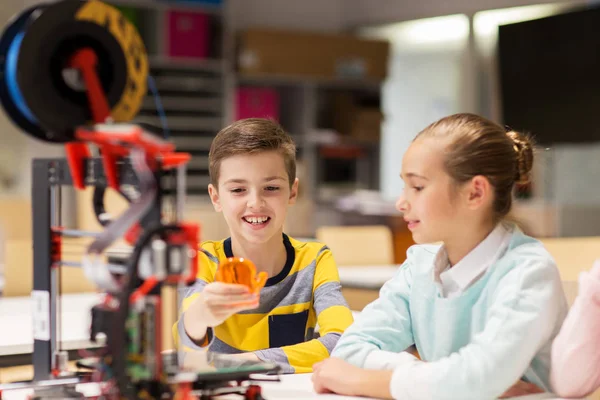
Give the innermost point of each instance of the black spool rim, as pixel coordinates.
(58, 110)
(13, 28)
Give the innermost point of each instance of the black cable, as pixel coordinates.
(98, 202)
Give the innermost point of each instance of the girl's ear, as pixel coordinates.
(479, 192)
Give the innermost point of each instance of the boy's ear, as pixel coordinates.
(294, 192)
(214, 197)
(479, 192)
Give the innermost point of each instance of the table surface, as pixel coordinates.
(366, 277)
(297, 387)
(16, 316)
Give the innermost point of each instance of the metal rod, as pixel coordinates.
(39, 384)
(181, 171)
(55, 216)
(76, 233)
(41, 199)
(114, 268)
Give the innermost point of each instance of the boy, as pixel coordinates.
(252, 166)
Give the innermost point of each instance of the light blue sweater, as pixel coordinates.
(475, 345)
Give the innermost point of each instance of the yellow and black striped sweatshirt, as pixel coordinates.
(305, 293)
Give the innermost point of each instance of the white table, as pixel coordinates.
(366, 277)
(16, 335)
(296, 387)
(300, 387)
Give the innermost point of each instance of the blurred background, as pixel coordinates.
(354, 81)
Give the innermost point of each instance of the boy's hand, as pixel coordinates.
(220, 300)
(217, 302)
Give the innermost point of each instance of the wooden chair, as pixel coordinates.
(368, 245)
(18, 270)
(573, 254)
(358, 245)
(15, 218)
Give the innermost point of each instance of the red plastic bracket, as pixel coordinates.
(85, 60)
(77, 153)
(114, 142)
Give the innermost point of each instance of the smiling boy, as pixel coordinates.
(253, 181)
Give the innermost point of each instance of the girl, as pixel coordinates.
(576, 351)
(483, 308)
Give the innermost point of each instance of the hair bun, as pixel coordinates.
(524, 148)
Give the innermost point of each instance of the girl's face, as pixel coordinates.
(431, 202)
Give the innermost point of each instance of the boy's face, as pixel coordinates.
(253, 193)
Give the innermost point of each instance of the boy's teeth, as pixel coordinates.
(256, 220)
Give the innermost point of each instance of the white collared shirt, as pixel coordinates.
(453, 281)
(473, 344)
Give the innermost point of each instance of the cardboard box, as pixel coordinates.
(265, 51)
(357, 122)
(256, 102)
(366, 125)
(188, 34)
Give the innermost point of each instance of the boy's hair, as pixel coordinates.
(250, 136)
(478, 146)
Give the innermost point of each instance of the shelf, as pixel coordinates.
(198, 162)
(184, 103)
(184, 123)
(187, 64)
(192, 143)
(324, 83)
(188, 85)
(163, 5)
(197, 181)
(345, 142)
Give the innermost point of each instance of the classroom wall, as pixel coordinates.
(363, 12)
(421, 88)
(336, 15)
(18, 149)
(428, 81)
(316, 15)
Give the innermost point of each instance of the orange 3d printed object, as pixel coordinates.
(242, 272)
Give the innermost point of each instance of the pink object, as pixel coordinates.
(575, 368)
(188, 34)
(252, 102)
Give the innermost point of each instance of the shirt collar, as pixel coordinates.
(474, 264)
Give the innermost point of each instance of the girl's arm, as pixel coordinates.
(383, 329)
(575, 368)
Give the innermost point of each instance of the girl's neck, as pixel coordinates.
(269, 257)
(463, 242)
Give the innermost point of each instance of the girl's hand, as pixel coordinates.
(334, 375)
(337, 376)
(521, 388)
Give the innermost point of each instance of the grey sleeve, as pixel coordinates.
(184, 339)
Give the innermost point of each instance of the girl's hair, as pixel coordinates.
(478, 146)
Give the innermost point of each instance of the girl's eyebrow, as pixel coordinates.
(412, 175)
